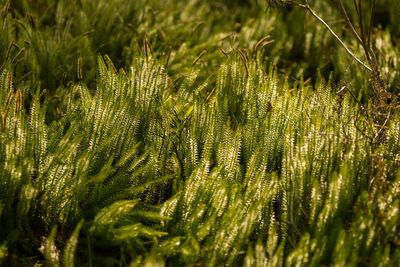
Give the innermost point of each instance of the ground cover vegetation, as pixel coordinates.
(199, 133)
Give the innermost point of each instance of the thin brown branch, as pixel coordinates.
(371, 21)
(307, 7)
(361, 21)
(356, 6)
(348, 20)
(363, 108)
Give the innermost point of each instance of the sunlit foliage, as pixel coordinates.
(189, 146)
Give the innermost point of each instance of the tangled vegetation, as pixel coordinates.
(196, 133)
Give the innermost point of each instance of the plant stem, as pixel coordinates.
(307, 7)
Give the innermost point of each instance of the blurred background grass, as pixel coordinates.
(44, 40)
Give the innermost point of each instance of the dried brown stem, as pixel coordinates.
(307, 7)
